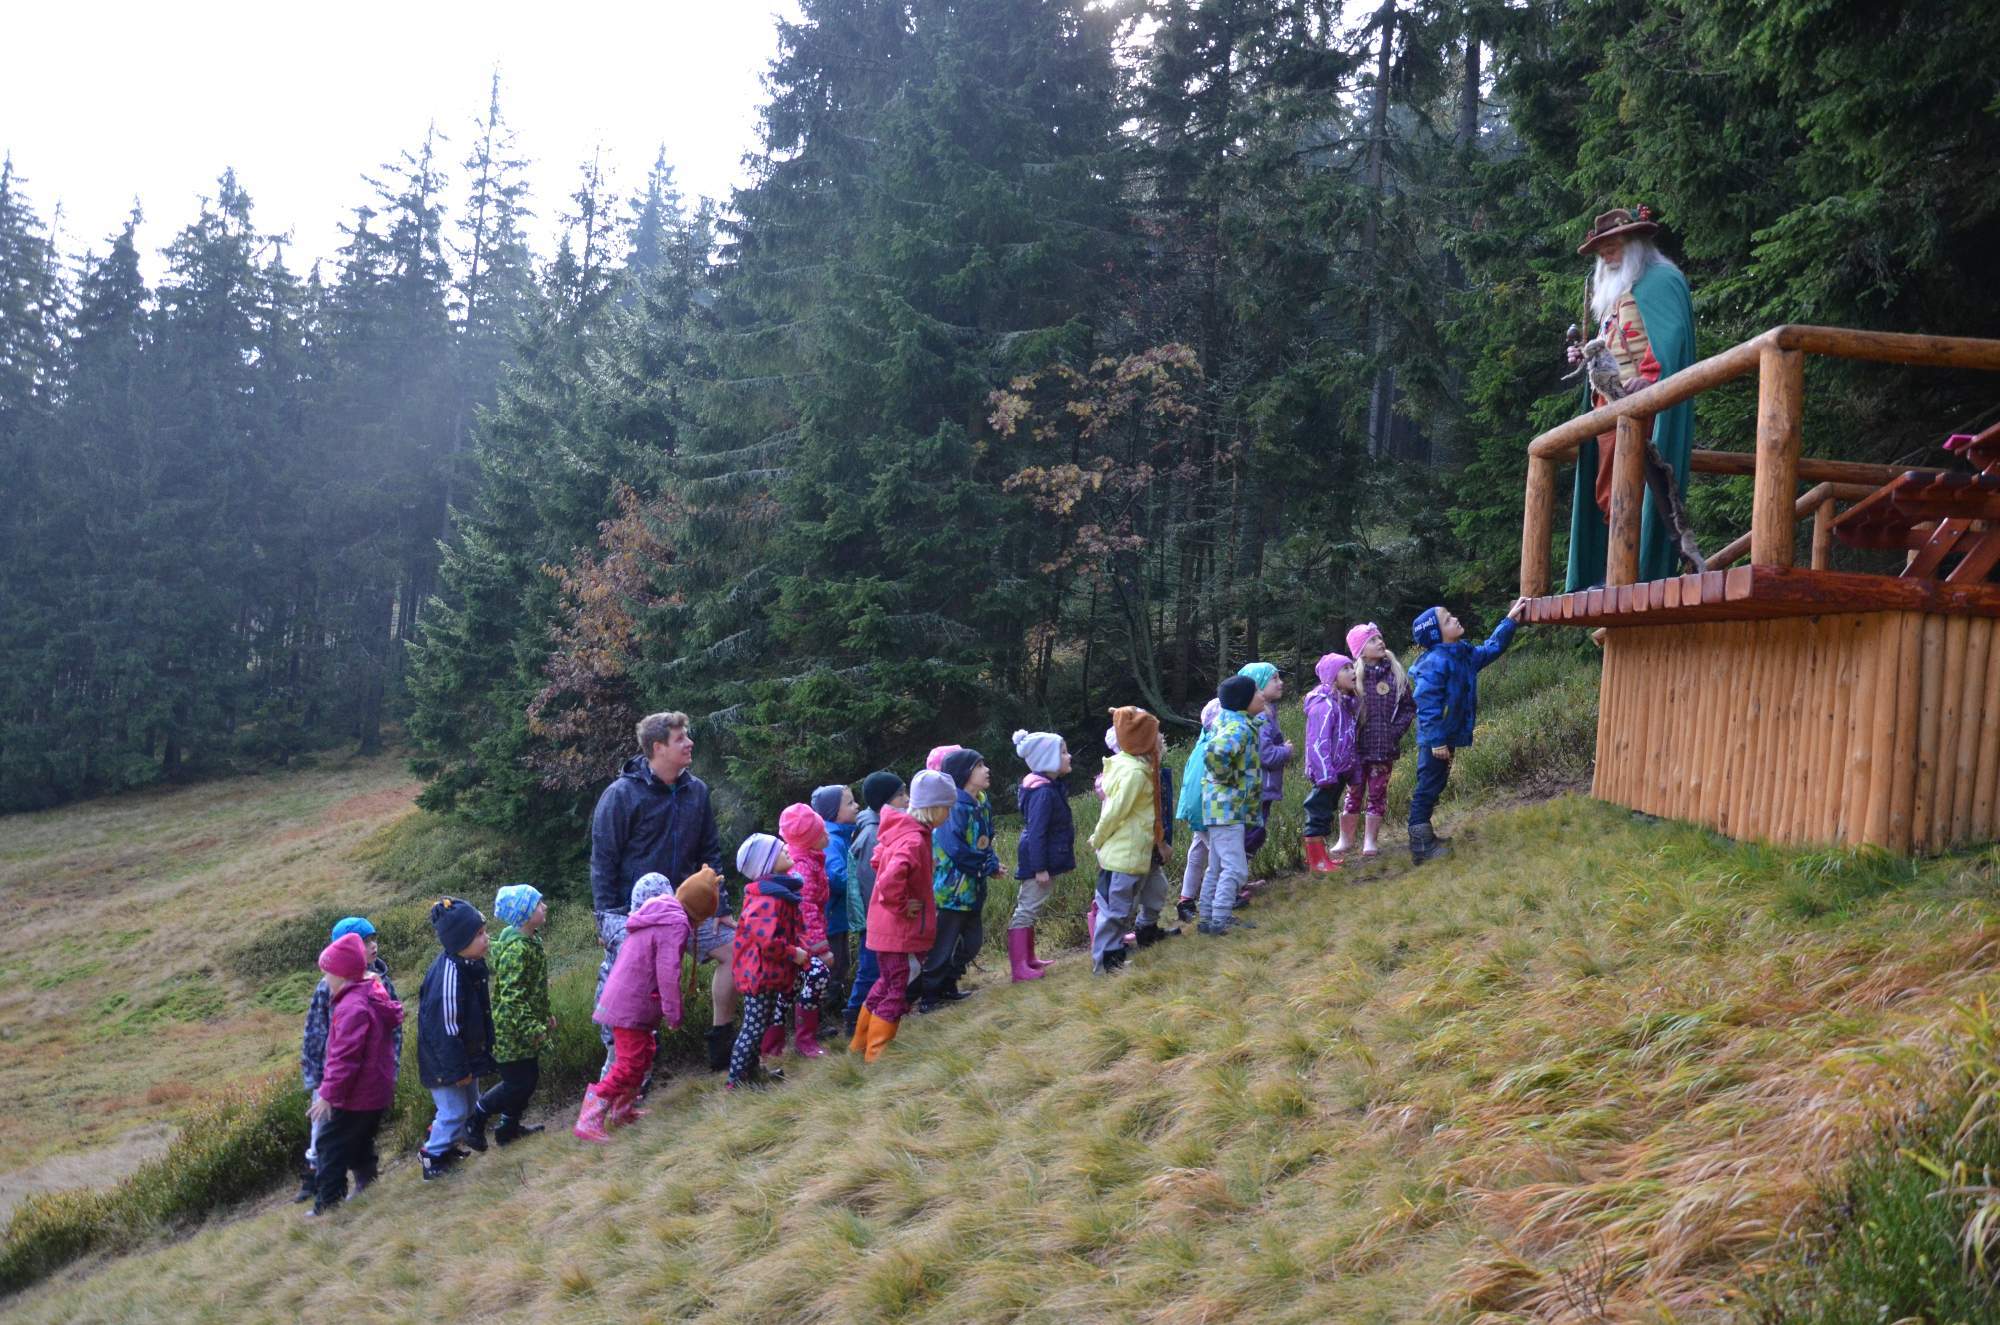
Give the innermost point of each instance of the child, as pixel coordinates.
(1330, 761)
(1048, 843)
(521, 1017)
(1274, 752)
(770, 950)
(1386, 711)
(838, 809)
(1130, 842)
(806, 838)
(1447, 702)
(934, 761)
(902, 912)
(1188, 811)
(1229, 787)
(644, 989)
(965, 861)
(454, 1033)
(359, 1080)
(312, 1047)
(879, 790)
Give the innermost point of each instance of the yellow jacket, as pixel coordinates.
(1123, 838)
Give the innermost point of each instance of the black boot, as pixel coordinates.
(511, 1130)
(721, 1039)
(475, 1130)
(437, 1166)
(1187, 909)
(308, 1182)
(1151, 934)
(1426, 845)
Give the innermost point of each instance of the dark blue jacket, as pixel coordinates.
(454, 1022)
(1048, 833)
(1446, 682)
(643, 826)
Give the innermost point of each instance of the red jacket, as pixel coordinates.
(766, 933)
(361, 1048)
(903, 865)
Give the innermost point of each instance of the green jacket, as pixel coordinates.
(520, 995)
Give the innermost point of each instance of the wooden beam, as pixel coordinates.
(1810, 502)
(1561, 441)
(1535, 526)
(1889, 347)
(1822, 538)
(1810, 471)
(1781, 386)
(1750, 593)
(1628, 502)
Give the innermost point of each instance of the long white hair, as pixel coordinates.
(1609, 284)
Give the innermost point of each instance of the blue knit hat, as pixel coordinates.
(1425, 629)
(1260, 673)
(826, 801)
(456, 922)
(353, 925)
(513, 904)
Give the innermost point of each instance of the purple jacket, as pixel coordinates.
(1273, 753)
(1390, 707)
(361, 1048)
(1330, 756)
(645, 981)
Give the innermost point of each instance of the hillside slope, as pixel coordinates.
(1589, 1066)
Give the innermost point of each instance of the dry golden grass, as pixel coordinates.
(1586, 1070)
(114, 1004)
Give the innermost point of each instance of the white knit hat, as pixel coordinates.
(931, 789)
(755, 857)
(1041, 751)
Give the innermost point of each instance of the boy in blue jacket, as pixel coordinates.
(455, 1033)
(1445, 680)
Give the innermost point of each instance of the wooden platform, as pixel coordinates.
(1757, 593)
(1875, 727)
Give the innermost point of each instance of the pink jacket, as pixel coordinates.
(800, 825)
(361, 1048)
(903, 873)
(645, 981)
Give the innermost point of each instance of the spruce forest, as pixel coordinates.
(1054, 355)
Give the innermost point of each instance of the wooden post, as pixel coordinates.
(1535, 531)
(1822, 544)
(1628, 502)
(1781, 383)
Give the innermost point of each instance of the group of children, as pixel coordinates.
(912, 864)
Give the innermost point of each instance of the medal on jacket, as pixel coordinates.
(1381, 687)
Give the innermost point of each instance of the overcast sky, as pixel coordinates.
(106, 102)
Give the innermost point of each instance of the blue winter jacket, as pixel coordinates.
(454, 1022)
(643, 826)
(839, 841)
(1048, 832)
(1446, 682)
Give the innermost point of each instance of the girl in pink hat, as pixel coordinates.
(1387, 708)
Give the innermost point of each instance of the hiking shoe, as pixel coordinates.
(439, 1166)
(511, 1130)
(1147, 935)
(475, 1131)
(1187, 910)
(1112, 962)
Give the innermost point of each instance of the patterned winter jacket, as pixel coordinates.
(1391, 708)
(769, 930)
(520, 968)
(1231, 780)
(963, 865)
(319, 1017)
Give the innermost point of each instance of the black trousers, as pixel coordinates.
(346, 1144)
(841, 964)
(508, 1097)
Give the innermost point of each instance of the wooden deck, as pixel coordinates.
(1757, 593)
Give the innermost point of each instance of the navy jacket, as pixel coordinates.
(1446, 681)
(1048, 833)
(454, 1022)
(643, 826)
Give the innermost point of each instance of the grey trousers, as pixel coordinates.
(1119, 897)
(1227, 869)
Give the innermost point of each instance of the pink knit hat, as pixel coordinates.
(1358, 637)
(345, 957)
(1329, 667)
(935, 761)
(801, 827)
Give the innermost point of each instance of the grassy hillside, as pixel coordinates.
(1589, 1068)
(119, 1005)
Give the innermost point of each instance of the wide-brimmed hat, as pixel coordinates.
(1640, 220)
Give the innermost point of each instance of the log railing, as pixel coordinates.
(1778, 358)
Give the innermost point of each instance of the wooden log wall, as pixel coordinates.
(1874, 727)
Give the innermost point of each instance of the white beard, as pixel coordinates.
(1609, 284)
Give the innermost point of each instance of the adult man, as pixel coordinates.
(656, 817)
(1639, 302)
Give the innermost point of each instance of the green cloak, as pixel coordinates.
(1668, 312)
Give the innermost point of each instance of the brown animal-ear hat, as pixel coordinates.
(1642, 220)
